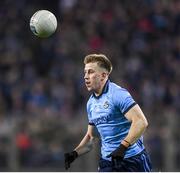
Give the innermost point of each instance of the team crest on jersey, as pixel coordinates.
(106, 105)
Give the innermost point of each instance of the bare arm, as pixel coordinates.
(138, 125)
(87, 142)
(85, 146)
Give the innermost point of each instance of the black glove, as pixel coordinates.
(118, 154)
(69, 158)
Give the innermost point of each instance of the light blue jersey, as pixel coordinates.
(107, 112)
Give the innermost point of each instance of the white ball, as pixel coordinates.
(43, 23)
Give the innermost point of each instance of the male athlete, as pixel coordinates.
(118, 119)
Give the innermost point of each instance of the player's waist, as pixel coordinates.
(131, 151)
(108, 161)
(134, 151)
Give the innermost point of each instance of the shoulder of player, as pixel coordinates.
(114, 88)
(89, 102)
(118, 93)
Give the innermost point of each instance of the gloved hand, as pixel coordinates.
(69, 158)
(118, 154)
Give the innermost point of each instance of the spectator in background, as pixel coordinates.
(145, 34)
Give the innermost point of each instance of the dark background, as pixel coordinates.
(42, 93)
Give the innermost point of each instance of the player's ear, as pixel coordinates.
(104, 75)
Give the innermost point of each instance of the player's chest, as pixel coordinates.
(102, 109)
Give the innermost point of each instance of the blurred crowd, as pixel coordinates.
(42, 92)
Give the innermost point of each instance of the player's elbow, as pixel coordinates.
(142, 123)
(145, 123)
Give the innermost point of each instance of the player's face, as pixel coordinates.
(94, 76)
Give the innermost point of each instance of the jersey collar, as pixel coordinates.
(105, 89)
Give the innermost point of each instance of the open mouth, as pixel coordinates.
(87, 83)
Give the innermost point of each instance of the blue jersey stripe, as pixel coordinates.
(92, 124)
(129, 108)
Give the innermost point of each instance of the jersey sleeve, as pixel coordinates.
(89, 114)
(123, 99)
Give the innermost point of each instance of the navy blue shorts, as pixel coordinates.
(138, 163)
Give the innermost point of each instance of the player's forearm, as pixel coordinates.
(84, 149)
(136, 130)
(85, 146)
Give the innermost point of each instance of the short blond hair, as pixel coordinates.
(101, 60)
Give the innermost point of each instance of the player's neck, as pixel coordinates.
(99, 92)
